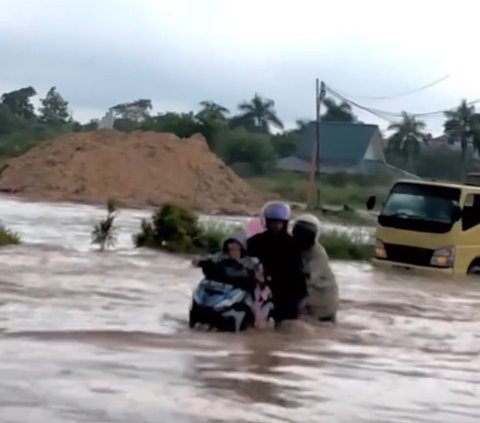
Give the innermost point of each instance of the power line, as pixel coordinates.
(426, 114)
(403, 94)
(379, 113)
(387, 115)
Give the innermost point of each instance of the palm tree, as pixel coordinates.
(301, 124)
(212, 111)
(338, 112)
(407, 136)
(463, 125)
(259, 114)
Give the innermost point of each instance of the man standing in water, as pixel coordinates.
(282, 261)
(322, 302)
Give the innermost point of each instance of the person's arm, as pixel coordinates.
(205, 260)
(254, 249)
(208, 264)
(300, 276)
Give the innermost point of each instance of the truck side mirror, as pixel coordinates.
(457, 213)
(371, 202)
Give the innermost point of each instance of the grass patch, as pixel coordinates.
(344, 246)
(346, 217)
(351, 190)
(8, 237)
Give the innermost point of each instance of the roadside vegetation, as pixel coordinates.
(342, 196)
(250, 138)
(337, 189)
(344, 246)
(104, 232)
(8, 237)
(176, 229)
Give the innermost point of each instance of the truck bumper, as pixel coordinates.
(387, 264)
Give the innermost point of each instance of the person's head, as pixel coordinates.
(276, 216)
(235, 246)
(305, 231)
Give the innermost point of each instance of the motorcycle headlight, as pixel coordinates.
(443, 257)
(380, 251)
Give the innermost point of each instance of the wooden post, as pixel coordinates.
(314, 191)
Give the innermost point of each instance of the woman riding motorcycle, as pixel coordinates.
(322, 301)
(281, 260)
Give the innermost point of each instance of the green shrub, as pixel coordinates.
(214, 235)
(175, 229)
(8, 237)
(103, 233)
(344, 246)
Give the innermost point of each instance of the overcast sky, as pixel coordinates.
(178, 52)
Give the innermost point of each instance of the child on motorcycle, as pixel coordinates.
(234, 267)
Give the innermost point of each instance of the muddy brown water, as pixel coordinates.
(89, 337)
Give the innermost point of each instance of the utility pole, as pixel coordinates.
(314, 196)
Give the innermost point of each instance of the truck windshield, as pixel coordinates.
(420, 207)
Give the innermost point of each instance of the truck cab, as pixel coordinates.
(429, 225)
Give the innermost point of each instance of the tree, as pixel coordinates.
(54, 110)
(137, 110)
(9, 122)
(407, 136)
(463, 125)
(210, 120)
(238, 145)
(92, 125)
(285, 143)
(338, 112)
(211, 112)
(181, 124)
(125, 125)
(259, 114)
(19, 102)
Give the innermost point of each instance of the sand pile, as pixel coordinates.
(136, 169)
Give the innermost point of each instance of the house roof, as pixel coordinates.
(342, 143)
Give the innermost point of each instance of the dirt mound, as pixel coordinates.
(136, 169)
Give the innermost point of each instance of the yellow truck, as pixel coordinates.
(430, 225)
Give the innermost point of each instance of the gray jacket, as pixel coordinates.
(322, 301)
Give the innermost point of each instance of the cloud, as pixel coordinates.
(99, 53)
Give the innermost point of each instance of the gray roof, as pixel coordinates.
(341, 144)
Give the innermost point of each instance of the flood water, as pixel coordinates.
(94, 338)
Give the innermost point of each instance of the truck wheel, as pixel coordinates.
(474, 268)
